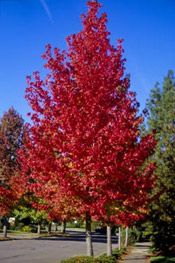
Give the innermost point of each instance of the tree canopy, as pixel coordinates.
(161, 118)
(11, 140)
(84, 149)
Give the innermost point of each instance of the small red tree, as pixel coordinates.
(84, 142)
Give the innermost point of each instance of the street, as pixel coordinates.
(50, 249)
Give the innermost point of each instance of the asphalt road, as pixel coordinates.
(50, 249)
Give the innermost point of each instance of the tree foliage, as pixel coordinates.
(84, 150)
(11, 140)
(161, 117)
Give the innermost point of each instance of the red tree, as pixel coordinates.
(84, 141)
(11, 139)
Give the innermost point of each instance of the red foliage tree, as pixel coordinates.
(84, 141)
(11, 137)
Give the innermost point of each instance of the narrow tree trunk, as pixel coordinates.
(109, 242)
(63, 226)
(5, 230)
(5, 224)
(39, 229)
(126, 236)
(49, 228)
(119, 238)
(88, 235)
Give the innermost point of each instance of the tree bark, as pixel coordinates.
(63, 227)
(109, 242)
(119, 238)
(49, 228)
(39, 229)
(88, 236)
(126, 236)
(4, 230)
(5, 223)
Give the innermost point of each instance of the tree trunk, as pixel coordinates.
(5, 224)
(63, 227)
(49, 228)
(5, 230)
(126, 236)
(88, 236)
(109, 242)
(119, 238)
(39, 229)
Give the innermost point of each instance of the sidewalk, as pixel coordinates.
(139, 253)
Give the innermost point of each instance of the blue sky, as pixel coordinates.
(26, 26)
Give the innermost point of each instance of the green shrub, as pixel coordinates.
(170, 260)
(80, 259)
(162, 236)
(105, 259)
(27, 229)
(12, 227)
(162, 259)
(134, 236)
(118, 253)
(147, 234)
(19, 226)
(86, 259)
(159, 259)
(95, 225)
(1, 225)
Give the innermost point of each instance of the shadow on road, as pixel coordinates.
(79, 236)
(69, 236)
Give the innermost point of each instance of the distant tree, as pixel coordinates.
(25, 213)
(11, 140)
(161, 118)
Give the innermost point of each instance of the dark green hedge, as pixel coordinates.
(162, 259)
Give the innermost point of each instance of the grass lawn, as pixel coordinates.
(43, 231)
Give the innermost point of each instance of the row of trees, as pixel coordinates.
(83, 156)
(160, 117)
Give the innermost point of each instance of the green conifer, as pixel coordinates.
(161, 118)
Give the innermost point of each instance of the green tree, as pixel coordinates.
(161, 118)
(30, 216)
